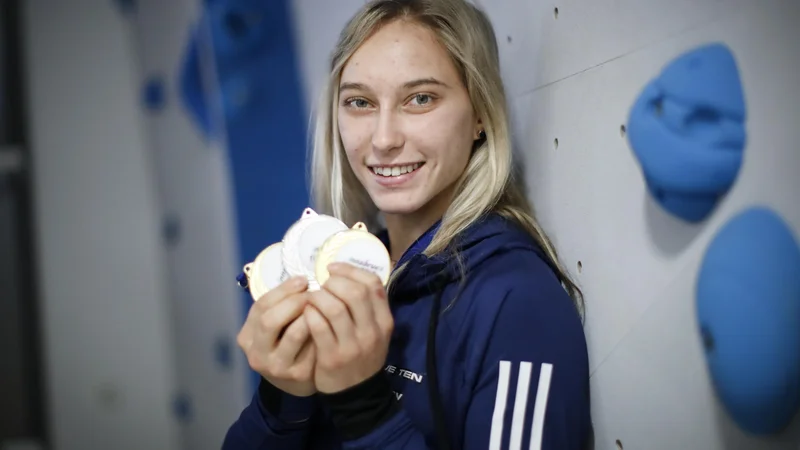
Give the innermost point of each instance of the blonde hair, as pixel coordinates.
(488, 183)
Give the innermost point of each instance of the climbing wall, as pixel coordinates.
(198, 224)
(160, 134)
(675, 252)
(659, 141)
(574, 71)
(101, 280)
(226, 124)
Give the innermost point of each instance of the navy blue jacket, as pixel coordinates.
(504, 348)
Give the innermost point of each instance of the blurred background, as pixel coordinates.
(149, 149)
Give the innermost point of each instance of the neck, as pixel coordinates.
(404, 229)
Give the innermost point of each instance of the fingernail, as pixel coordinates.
(299, 281)
(334, 266)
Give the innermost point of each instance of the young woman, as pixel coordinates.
(477, 342)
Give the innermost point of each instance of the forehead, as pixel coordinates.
(398, 52)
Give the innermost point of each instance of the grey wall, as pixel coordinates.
(105, 313)
(574, 77)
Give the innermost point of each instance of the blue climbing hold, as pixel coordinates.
(748, 312)
(687, 131)
(126, 6)
(153, 94)
(235, 36)
(172, 230)
(223, 352)
(236, 94)
(237, 27)
(194, 90)
(182, 407)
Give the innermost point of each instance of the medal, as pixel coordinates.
(266, 271)
(302, 241)
(312, 243)
(355, 246)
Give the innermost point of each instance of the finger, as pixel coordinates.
(274, 320)
(245, 337)
(356, 296)
(359, 275)
(320, 330)
(257, 309)
(291, 286)
(379, 302)
(294, 337)
(307, 356)
(250, 325)
(335, 311)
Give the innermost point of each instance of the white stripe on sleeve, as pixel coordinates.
(520, 404)
(540, 407)
(496, 436)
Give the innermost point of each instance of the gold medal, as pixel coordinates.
(355, 246)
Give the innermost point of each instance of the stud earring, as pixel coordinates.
(482, 135)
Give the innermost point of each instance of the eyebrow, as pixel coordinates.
(408, 85)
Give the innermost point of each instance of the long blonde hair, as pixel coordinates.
(488, 183)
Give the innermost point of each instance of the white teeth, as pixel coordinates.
(396, 170)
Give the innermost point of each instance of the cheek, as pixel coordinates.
(463, 140)
(353, 134)
(431, 133)
(449, 138)
(457, 159)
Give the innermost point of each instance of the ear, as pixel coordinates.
(479, 132)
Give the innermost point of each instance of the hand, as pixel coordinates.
(351, 325)
(277, 345)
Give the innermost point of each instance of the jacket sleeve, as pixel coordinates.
(533, 387)
(531, 390)
(273, 420)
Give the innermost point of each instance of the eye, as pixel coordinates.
(422, 99)
(358, 103)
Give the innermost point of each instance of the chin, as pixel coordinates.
(396, 204)
(397, 209)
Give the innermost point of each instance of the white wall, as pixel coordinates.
(102, 278)
(317, 25)
(195, 193)
(133, 323)
(574, 78)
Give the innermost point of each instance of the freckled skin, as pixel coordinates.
(383, 121)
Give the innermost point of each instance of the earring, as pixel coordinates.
(482, 135)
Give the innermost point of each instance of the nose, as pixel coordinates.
(388, 135)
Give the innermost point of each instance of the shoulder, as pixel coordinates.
(520, 280)
(507, 269)
(514, 303)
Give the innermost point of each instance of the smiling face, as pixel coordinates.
(406, 120)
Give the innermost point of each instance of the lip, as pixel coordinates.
(395, 181)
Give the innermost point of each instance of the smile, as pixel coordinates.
(395, 171)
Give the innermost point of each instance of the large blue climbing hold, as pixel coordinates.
(748, 312)
(225, 58)
(687, 131)
(238, 28)
(239, 85)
